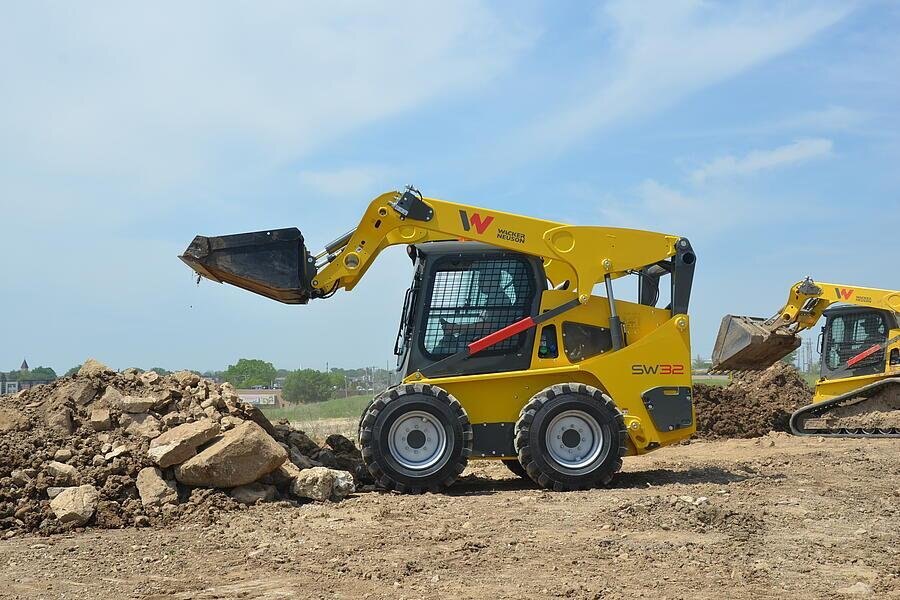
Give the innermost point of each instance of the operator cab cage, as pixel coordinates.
(848, 331)
(464, 291)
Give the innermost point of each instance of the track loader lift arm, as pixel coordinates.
(752, 343)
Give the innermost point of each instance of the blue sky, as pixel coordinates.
(768, 133)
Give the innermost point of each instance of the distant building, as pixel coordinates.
(11, 383)
(6, 386)
(263, 398)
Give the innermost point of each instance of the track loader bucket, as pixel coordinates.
(743, 344)
(274, 264)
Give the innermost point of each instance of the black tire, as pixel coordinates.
(516, 467)
(389, 467)
(585, 402)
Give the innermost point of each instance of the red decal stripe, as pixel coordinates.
(863, 355)
(498, 336)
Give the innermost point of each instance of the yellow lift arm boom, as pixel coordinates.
(808, 299)
(582, 255)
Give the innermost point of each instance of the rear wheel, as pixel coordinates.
(415, 438)
(570, 437)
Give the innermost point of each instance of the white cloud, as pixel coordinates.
(662, 53)
(659, 207)
(163, 93)
(830, 118)
(761, 160)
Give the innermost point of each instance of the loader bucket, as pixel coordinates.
(274, 264)
(743, 344)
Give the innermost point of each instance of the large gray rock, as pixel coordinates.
(149, 377)
(61, 420)
(154, 490)
(186, 378)
(180, 443)
(112, 398)
(322, 483)
(75, 504)
(253, 493)
(241, 456)
(137, 404)
(81, 391)
(62, 473)
(93, 368)
(144, 425)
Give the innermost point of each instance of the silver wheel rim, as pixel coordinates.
(418, 441)
(574, 439)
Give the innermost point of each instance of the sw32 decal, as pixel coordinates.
(660, 369)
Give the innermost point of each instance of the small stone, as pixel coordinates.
(149, 377)
(100, 419)
(20, 477)
(62, 473)
(154, 490)
(322, 483)
(142, 521)
(857, 589)
(253, 493)
(75, 505)
(62, 455)
(137, 404)
(116, 452)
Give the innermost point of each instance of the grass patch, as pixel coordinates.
(337, 408)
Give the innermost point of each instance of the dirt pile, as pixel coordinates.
(752, 404)
(113, 449)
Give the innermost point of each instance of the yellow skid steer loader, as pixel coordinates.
(504, 351)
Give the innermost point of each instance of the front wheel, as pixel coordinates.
(415, 438)
(570, 437)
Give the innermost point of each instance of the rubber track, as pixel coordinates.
(846, 432)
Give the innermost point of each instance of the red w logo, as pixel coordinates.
(477, 221)
(843, 293)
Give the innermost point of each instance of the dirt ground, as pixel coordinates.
(773, 517)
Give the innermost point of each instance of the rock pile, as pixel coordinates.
(752, 404)
(116, 449)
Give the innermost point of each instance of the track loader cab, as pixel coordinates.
(850, 330)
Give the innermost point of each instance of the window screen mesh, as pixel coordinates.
(472, 300)
(851, 334)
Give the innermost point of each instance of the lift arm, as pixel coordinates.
(750, 343)
(582, 255)
(808, 299)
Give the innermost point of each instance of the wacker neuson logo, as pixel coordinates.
(477, 221)
(481, 223)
